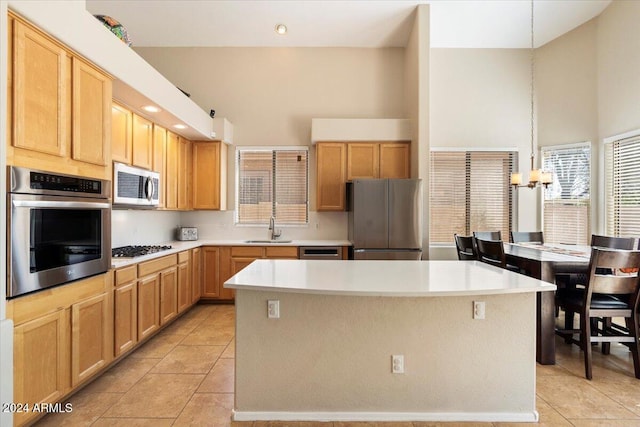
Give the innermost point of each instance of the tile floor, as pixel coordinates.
(184, 376)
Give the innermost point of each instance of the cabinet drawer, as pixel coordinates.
(155, 265)
(247, 251)
(126, 275)
(281, 252)
(183, 257)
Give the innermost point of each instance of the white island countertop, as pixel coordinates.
(383, 278)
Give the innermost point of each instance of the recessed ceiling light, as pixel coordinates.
(281, 29)
(151, 109)
(179, 126)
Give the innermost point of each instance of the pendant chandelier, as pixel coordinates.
(536, 176)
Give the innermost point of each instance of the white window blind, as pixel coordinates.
(272, 182)
(622, 182)
(469, 191)
(567, 200)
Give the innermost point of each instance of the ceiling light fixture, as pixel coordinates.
(281, 29)
(536, 176)
(180, 126)
(151, 109)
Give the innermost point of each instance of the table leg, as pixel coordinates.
(545, 328)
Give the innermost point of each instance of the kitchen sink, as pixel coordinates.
(267, 241)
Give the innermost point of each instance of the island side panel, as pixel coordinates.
(332, 354)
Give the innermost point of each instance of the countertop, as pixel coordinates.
(179, 246)
(383, 278)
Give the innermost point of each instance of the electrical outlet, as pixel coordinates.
(397, 364)
(273, 309)
(478, 310)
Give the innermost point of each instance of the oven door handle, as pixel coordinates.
(58, 204)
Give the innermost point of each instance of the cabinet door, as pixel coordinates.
(171, 202)
(226, 271)
(168, 294)
(148, 305)
(126, 318)
(206, 175)
(210, 272)
(41, 93)
(41, 361)
(331, 176)
(394, 160)
(160, 160)
(142, 142)
(121, 134)
(184, 172)
(362, 160)
(196, 275)
(184, 287)
(91, 114)
(91, 345)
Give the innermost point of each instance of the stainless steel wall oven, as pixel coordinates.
(59, 229)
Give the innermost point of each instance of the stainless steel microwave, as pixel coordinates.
(135, 187)
(59, 229)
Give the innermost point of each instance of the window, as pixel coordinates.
(272, 182)
(566, 206)
(470, 191)
(622, 187)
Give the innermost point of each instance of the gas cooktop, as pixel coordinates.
(137, 250)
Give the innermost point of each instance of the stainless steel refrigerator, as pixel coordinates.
(385, 218)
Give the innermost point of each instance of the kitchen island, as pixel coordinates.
(328, 356)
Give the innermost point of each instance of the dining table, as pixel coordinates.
(545, 262)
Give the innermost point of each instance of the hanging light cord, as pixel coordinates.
(532, 85)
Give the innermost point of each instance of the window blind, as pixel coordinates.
(272, 183)
(567, 200)
(622, 182)
(469, 191)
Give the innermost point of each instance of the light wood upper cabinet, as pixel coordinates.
(91, 114)
(121, 134)
(160, 160)
(91, 338)
(171, 201)
(142, 142)
(363, 160)
(339, 162)
(331, 176)
(184, 173)
(209, 175)
(41, 361)
(395, 158)
(41, 92)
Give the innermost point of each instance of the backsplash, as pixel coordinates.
(150, 227)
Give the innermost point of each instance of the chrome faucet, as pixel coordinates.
(272, 228)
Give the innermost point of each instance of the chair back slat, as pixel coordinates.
(527, 236)
(488, 235)
(491, 252)
(614, 285)
(627, 243)
(616, 282)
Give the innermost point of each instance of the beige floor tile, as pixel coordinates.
(230, 351)
(121, 377)
(436, 424)
(209, 336)
(302, 424)
(159, 346)
(576, 398)
(86, 408)
(606, 423)
(133, 422)
(207, 409)
(189, 359)
(220, 379)
(549, 417)
(157, 396)
(624, 390)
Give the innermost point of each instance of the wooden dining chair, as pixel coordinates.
(604, 297)
(466, 248)
(491, 252)
(488, 235)
(527, 236)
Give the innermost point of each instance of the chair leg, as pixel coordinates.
(585, 342)
(606, 326)
(568, 325)
(634, 331)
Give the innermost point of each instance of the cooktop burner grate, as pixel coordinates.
(137, 250)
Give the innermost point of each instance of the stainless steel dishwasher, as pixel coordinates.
(320, 252)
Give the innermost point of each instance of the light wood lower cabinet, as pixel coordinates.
(196, 274)
(41, 361)
(91, 339)
(184, 281)
(210, 272)
(168, 294)
(125, 302)
(148, 306)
